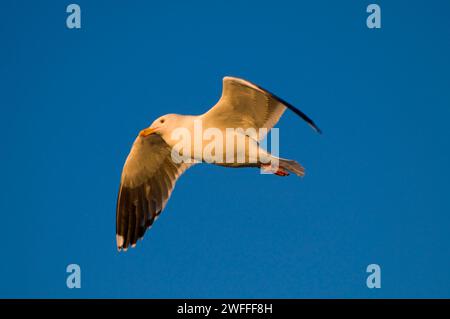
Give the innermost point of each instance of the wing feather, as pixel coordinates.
(247, 105)
(148, 177)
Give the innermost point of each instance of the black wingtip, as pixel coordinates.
(292, 108)
(305, 117)
(316, 128)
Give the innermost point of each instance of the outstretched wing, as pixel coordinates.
(247, 105)
(148, 178)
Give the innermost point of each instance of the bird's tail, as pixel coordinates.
(291, 166)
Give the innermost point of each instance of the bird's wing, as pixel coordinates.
(148, 178)
(246, 105)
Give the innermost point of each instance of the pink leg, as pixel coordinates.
(277, 171)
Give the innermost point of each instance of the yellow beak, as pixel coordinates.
(146, 132)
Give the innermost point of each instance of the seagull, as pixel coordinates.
(151, 171)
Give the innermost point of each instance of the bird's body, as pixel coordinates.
(226, 135)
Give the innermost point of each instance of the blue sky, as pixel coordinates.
(376, 189)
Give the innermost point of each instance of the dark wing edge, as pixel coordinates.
(305, 117)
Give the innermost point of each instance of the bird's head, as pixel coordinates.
(161, 126)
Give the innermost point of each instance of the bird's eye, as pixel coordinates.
(162, 121)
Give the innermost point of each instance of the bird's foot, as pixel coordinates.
(274, 170)
(281, 172)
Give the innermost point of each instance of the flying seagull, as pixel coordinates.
(151, 171)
